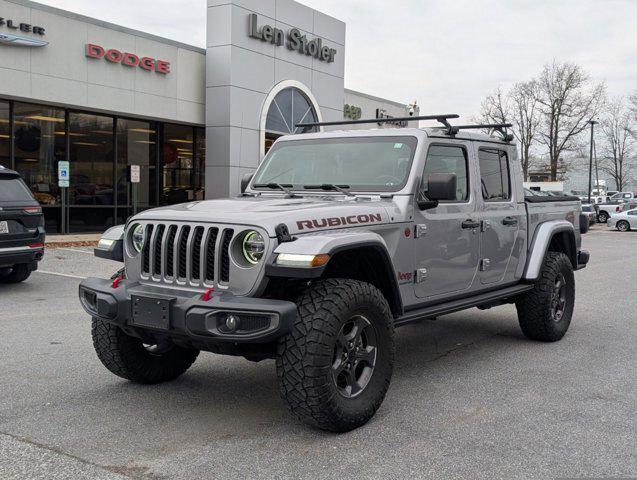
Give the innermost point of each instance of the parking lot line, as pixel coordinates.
(60, 274)
(86, 252)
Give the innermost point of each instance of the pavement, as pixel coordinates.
(470, 396)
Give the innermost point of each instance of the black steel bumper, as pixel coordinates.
(144, 310)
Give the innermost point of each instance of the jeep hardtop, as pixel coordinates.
(338, 238)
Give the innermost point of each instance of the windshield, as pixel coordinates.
(373, 164)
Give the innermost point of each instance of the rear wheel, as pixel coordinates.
(602, 217)
(128, 357)
(335, 365)
(15, 274)
(623, 226)
(545, 312)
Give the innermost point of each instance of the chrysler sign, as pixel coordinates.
(294, 40)
(127, 59)
(16, 38)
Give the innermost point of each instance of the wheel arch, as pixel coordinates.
(556, 236)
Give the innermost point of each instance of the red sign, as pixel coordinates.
(127, 59)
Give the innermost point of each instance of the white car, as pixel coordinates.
(624, 221)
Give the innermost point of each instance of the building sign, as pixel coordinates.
(352, 112)
(127, 59)
(382, 113)
(294, 40)
(20, 40)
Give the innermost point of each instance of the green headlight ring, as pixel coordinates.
(137, 231)
(250, 256)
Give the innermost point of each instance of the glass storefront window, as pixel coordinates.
(5, 157)
(200, 163)
(39, 144)
(91, 194)
(178, 162)
(136, 145)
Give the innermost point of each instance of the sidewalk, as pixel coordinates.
(83, 240)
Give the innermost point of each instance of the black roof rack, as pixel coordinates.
(499, 127)
(440, 118)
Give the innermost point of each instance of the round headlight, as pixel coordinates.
(253, 247)
(137, 237)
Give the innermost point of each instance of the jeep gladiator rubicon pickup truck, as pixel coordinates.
(21, 229)
(338, 239)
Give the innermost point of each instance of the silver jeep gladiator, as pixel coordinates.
(338, 239)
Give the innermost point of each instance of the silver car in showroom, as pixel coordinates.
(624, 221)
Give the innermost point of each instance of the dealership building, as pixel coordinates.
(103, 97)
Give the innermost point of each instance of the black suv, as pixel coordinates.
(21, 229)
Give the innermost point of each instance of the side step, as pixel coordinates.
(460, 304)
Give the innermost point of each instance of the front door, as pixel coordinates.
(447, 243)
(502, 217)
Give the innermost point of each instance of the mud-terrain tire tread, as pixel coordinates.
(533, 306)
(304, 356)
(19, 273)
(126, 357)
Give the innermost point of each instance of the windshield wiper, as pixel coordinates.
(330, 186)
(277, 186)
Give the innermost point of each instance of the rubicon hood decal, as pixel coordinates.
(6, 39)
(339, 221)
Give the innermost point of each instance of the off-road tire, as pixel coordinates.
(623, 226)
(18, 273)
(127, 357)
(602, 217)
(306, 355)
(535, 309)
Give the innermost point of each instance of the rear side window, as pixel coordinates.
(494, 174)
(14, 189)
(448, 159)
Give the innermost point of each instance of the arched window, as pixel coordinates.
(288, 108)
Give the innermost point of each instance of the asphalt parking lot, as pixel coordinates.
(470, 397)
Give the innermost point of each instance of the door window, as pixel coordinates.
(494, 175)
(448, 159)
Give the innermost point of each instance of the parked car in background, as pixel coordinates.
(624, 221)
(589, 212)
(606, 209)
(21, 229)
(624, 207)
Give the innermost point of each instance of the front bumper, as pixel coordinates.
(149, 311)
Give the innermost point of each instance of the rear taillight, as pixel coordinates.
(36, 245)
(618, 209)
(32, 210)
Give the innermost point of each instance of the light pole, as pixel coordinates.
(590, 164)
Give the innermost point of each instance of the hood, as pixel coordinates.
(301, 215)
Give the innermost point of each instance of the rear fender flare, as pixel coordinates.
(541, 242)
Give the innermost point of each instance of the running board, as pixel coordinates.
(460, 304)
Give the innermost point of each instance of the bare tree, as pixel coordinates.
(566, 100)
(618, 141)
(519, 107)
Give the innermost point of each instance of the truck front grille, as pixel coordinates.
(185, 254)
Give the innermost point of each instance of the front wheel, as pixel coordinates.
(623, 226)
(335, 365)
(128, 357)
(545, 312)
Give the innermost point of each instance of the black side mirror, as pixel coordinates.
(440, 187)
(245, 181)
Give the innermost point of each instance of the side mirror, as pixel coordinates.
(245, 181)
(111, 245)
(440, 187)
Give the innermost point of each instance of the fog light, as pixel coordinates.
(232, 322)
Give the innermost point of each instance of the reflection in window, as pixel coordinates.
(178, 160)
(92, 164)
(494, 174)
(5, 158)
(136, 145)
(200, 163)
(448, 159)
(39, 143)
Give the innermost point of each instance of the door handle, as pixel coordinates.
(510, 221)
(470, 224)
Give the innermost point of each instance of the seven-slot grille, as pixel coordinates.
(187, 254)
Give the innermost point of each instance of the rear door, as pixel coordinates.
(501, 216)
(447, 243)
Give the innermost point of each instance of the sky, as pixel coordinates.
(446, 54)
